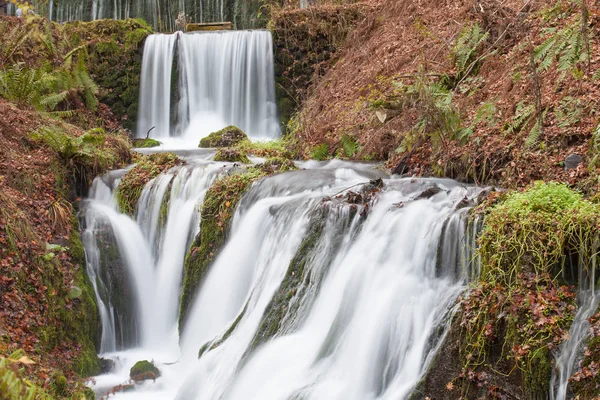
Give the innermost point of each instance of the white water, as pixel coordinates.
(571, 350)
(155, 87)
(152, 255)
(225, 78)
(364, 326)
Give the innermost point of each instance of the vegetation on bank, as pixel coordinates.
(133, 182)
(510, 324)
(218, 208)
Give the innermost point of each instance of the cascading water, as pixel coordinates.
(146, 256)
(311, 296)
(566, 360)
(225, 78)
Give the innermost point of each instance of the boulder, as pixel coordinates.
(226, 137)
(572, 161)
(144, 370)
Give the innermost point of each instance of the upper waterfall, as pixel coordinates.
(223, 78)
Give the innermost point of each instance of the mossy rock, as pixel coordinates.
(231, 155)
(143, 370)
(226, 137)
(146, 143)
(146, 169)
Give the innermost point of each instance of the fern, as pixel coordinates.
(521, 119)
(467, 47)
(350, 146)
(569, 112)
(564, 47)
(320, 152)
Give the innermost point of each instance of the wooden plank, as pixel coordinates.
(209, 26)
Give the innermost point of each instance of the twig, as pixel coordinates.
(148, 133)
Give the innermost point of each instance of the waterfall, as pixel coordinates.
(225, 78)
(571, 349)
(142, 295)
(311, 297)
(155, 86)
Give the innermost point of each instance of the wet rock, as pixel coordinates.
(144, 370)
(226, 137)
(429, 192)
(106, 365)
(572, 161)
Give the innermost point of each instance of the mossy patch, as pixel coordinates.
(145, 143)
(229, 154)
(281, 148)
(226, 137)
(146, 169)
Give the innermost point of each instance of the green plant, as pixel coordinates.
(569, 112)
(466, 49)
(320, 152)
(30, 87)
(12, 384)
(350, 146)
(564, 46)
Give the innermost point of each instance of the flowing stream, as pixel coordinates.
(358, 295)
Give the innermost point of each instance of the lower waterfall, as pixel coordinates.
(311, 297)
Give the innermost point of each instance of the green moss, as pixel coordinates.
(146, 143)
(532, 231)
(231, 155)
(226, 137)
(146, 169)
(144, 370)
(280, 148)
(60, 384)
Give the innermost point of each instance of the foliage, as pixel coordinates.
(231, 155)
(271, 148)
(12, 384)
(320, 152)
(87, 155)
(505, 328)
(45, 88)
(437, 118)
(146, 169)
(569, 112)
(564, 46)
(350, 146)
(467, 46)
(29, 87)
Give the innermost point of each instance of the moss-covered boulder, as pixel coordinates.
(146, 169)
(226, 137)
(144, 370)
(231, 155)
(145, 143)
